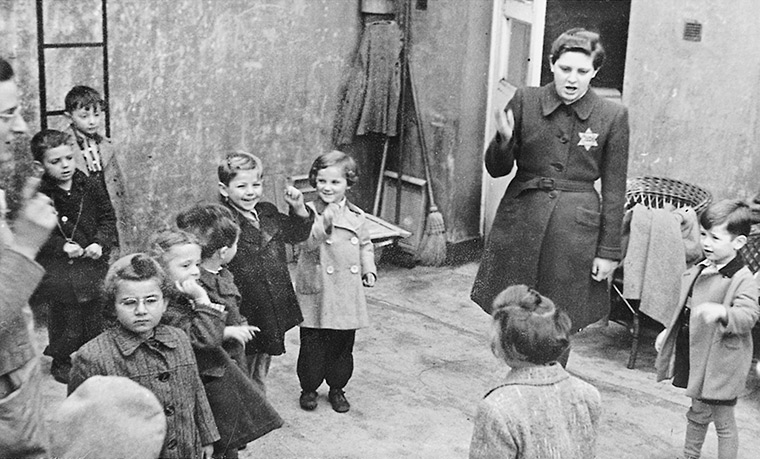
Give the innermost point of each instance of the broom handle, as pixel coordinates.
(379, 189)
(420, 134)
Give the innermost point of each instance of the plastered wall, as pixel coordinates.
(694, 105)
(191, 79)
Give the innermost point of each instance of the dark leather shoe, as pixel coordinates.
(308, 400)
(338, 401)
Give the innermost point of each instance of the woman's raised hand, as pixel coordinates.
(505, 124)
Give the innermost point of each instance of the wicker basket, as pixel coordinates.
(656, 192)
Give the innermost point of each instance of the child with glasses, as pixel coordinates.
(75, 257)
(156, 356)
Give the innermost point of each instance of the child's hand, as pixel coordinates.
(207, 451)
(73, 250)
(93, 251)
(660, 341)
(192, 288)
(240, 333)
(294, 198)
(369, 280)
(711, 312)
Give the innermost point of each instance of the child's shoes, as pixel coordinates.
(338, 401)
(308, 400)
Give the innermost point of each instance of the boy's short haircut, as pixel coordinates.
(136, 267)
(734, 212)
(238, 161)
(528, 327)
(213, 224)
(83, 97)
(335, 158)
(46, 140)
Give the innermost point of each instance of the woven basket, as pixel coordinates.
(656, 192)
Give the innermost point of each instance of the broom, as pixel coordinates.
(432, 250)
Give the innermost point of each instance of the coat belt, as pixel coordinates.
(528, 181)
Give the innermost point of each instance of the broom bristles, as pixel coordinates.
(432, 250)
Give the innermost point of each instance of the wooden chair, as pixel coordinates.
(655, 193)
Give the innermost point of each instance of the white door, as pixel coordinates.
(517, 41)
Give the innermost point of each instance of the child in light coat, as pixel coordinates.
(335, 262)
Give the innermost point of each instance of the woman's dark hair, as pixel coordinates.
(528, 327)
(135, 267)
(213, 224)
(579, 40)
(334, 158)
(734, 212)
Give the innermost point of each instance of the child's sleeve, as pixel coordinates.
(203, 325)
(367, 250)
(744, 310)
(204, 418)
(82, 368)
(295, 229)
(317, 231)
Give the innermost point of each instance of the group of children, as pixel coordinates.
(197, 316)
(542, 411)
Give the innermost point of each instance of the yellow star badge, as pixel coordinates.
(588, 139)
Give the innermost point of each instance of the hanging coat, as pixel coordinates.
(551, 223)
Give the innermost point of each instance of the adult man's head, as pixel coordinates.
(11, 122)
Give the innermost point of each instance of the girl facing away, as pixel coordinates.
(154, 355)
(334, 263)
(241, 410)
(540, 410)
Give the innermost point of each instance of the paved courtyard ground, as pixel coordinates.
(424, 364)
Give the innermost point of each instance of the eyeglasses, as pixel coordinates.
(10, 114)
(148, 302)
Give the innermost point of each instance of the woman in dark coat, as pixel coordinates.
(552, 231)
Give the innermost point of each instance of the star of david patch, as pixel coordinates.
(588, 139)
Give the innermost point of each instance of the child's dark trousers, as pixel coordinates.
(325, 355)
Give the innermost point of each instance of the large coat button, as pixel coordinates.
(354, 269)
(330, 270)
(354, 240)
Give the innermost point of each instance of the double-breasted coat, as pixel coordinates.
(261, 274)
(720, 355)
(331, 265)
(551, 222)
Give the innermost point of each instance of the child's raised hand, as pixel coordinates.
(193, 289)
(294, 198)
(93, 251)
(240, 333)
(368, 280)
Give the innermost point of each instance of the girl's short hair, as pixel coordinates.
(335, 158)
(212, 224)
(238, 161)
(47, 140)
(528, 327)
(136, 267)
(734, 212)
(579, 40)
(83, 97)
(163, 241)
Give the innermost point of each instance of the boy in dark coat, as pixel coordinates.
(260, 267)
(75, 256)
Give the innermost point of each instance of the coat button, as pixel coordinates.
(330, 270)
(163, 377)
(171, 444)
(328, 241)
(354, 240)
(169, 410)
(563, 139)
(553, 194)
(354, 269)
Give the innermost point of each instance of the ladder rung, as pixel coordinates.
(73, 45)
